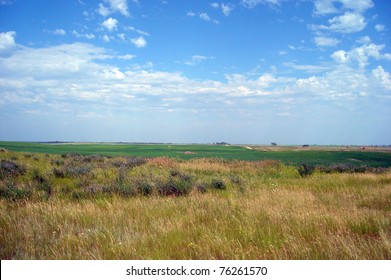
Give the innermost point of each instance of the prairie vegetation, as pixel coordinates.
(71, 206)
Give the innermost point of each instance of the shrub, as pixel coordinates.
(77, 171)
(218, 184)
(135, 161)
(94, 189)
(178, 186)
(144, 188)
(13, 193)
(10, 168)
(58, 173)
(46, 187)
(37, 176)
(201, 188)
(57, 162)
(306, 170)
(124, 190)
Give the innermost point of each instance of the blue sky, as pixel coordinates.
(244, 71)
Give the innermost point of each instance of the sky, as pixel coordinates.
(195, 71)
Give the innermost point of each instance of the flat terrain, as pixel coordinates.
(71, 206)
(314, 155)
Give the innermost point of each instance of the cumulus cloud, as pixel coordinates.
(340, 56)
(110, 24)
(306, 68)
(7, 40)
(59, 32)
(103, 11)
(347, 23)
(139, 31)
(195, 59)
(225, 8)
(139, 42)
(120, 6)
(379, 27)
(88, 36)
(361, 55)
(204, 16)
(252, 3)
(322, 41)
(324, 7)
(81, 76)
(106, 38)
(384, 77)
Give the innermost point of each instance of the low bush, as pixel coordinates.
(58, 173)
(10, 191)
(306, 170)
(218, 184)
(10, 168)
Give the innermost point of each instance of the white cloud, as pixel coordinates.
(379, 27)
(252, 3)
(324, 7)
(357, 5)
(127, 57)
(139, 42)
(88, 36)
(7, 40)
(103, 11)
(204, 16)
(141, 32)
(121, 36)
(195, 59)
(382, 76)
(322, 41)
(57, 61)
(110, 24)
(59, 32)
(73, 77)
(120, 6)
(306, 68)
(361, 55)
(191, 14)
(226, 9)
(347, 23)
(340, 56)
(364, 40)
(106, 38)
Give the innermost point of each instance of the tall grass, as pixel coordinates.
(107, 208)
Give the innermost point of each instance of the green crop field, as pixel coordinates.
(288, 156)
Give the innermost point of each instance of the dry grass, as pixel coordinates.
(267, 211)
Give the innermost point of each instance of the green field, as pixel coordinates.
(288, 156)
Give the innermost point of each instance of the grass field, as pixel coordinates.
(374, 157)
(72, 206)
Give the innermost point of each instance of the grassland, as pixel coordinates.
(70, 206)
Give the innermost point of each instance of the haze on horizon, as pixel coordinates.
(243, 71)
